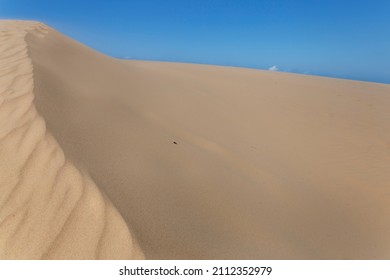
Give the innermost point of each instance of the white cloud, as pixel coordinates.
(273, 68)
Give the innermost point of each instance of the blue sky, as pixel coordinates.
(337, 38)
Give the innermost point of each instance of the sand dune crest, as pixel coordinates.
(48, 208)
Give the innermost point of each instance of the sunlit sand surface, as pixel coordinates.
(103, 158)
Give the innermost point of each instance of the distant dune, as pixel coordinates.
(98, 155)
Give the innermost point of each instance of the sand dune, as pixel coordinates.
(200, 162)
(49, 208)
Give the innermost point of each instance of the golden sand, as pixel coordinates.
(98, 155)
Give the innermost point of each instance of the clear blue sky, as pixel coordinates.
(338, 38)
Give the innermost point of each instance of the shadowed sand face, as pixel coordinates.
(266, 165)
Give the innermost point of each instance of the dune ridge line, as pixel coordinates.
(48, 208)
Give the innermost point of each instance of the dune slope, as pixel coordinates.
(213, 162)
(48, 208)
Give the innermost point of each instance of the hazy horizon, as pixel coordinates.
(347, 40)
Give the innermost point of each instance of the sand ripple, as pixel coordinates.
(48, 208)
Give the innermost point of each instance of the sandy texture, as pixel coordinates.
(48, 208)
(202, 162)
